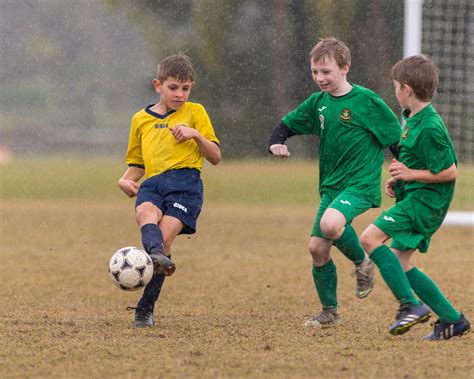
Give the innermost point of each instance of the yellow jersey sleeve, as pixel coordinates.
(152, 145)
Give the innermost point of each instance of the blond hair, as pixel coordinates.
(331, 47)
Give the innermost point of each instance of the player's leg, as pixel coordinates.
(170, 227)
(323, 271)
(148, 217)
(451, 322)
(149, 208)
(411, 311)
(336, 225)
(325, 281)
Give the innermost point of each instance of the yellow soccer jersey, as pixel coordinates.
(152, 145)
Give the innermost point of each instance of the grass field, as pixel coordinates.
(235, 305)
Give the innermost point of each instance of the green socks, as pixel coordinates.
(392, 273)
(349, 245)
(325, 281)
(430, 294)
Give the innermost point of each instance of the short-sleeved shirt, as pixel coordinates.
(153, 147)
(426, 145)
(353, 130)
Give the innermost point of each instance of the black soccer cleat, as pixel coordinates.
(409, 315)
(446, 330)
(162, 264)
(143, 318)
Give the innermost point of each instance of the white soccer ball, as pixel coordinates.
(130, 268)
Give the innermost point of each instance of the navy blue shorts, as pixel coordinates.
(178, 193)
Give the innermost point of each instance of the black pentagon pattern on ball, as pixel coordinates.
(126, 264)
(140, 270)
(124, 252)
(116, 275)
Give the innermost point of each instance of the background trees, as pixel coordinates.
(74, 72)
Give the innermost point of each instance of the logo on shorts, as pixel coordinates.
(346, 115)
(345, 202)
(388, 218)
(180, 206)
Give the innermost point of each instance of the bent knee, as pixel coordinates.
(331, 230)
(368, 241)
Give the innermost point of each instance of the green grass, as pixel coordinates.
(258, 182)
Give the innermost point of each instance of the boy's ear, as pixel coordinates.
(156, 84)
(408, 89)
(345, 69)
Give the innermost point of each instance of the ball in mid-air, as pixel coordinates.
(130, 268)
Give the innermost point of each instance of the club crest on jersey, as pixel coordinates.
(161, 126)
(346, 115)
(405, 132)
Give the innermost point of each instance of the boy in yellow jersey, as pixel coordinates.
(168, 141)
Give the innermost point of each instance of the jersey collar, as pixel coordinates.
(157, 115)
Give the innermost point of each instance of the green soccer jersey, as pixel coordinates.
(426, 145)
(353, 130)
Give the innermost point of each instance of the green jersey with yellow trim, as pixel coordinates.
(152, 146)
(353, 130)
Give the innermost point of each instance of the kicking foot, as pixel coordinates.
(162, 264)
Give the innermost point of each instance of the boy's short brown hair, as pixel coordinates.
(333, 48)
(178, 66)
(420, 73)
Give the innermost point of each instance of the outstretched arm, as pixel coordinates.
(210, 150)
(128, 183)
(276, 142)
(401, 172)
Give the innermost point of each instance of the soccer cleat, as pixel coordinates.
(327, 317)
(162, 264)
(445, 330)
(409, 315)
(365, 281)
(143, 318)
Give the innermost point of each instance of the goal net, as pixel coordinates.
(448, 37)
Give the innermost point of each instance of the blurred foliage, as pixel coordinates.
(252, 57)
(73, 75)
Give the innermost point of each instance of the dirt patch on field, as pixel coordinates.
(234, 307)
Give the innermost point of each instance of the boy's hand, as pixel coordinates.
(280, 150)
(389, 187)
(399, 171)
(182, 132)
(129, 187)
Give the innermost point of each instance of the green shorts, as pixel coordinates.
(349, 204)
(397, 222)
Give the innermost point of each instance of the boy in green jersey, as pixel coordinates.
(422, 181)
(354, 126)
